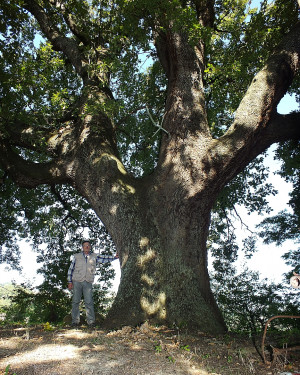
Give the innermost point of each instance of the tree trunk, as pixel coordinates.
(164, 277)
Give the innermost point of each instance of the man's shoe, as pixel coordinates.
(74, 325)
(92, 326)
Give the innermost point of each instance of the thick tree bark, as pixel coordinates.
(164, 275)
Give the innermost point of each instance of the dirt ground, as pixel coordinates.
(146, 350)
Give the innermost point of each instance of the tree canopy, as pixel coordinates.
(149, 115)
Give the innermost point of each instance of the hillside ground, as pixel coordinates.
(146, 350)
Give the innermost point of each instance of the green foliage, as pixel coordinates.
(285, 225)
(30, 306)
(56, 230)
(10, 226)
(240, 44)
(279, 228)
(49, 302)
(289, 154)
(36, 82)
(292, 258)
(245, 301)
(158, 348)
(248, 302)
(47, 327)
(20, 305)
(222, 241)
(185, 347)
(137, 133)
(6, 293)
(248, 189)
(41, 83)
(55, 218)
(7, 370)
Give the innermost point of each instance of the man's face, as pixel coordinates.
(86, 247)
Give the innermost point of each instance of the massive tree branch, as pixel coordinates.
(25, 136)
(60, 43)
(256, 116)
(80, 59)
(205, 11)
(282, 128)
(33, 137)
(66, 205)
(269, 85)
(98, 78)
(82, 35)
(184, 64)
(185, 102)
(29, 174)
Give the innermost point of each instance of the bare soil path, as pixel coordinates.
(145, 350)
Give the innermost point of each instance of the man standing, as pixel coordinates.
(81, 277)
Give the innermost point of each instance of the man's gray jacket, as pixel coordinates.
(85, 267)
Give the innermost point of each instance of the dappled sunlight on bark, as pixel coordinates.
(158, 307)
(145, 258)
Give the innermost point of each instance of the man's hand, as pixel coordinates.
(70, 286)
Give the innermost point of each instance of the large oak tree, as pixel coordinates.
(147, 109)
